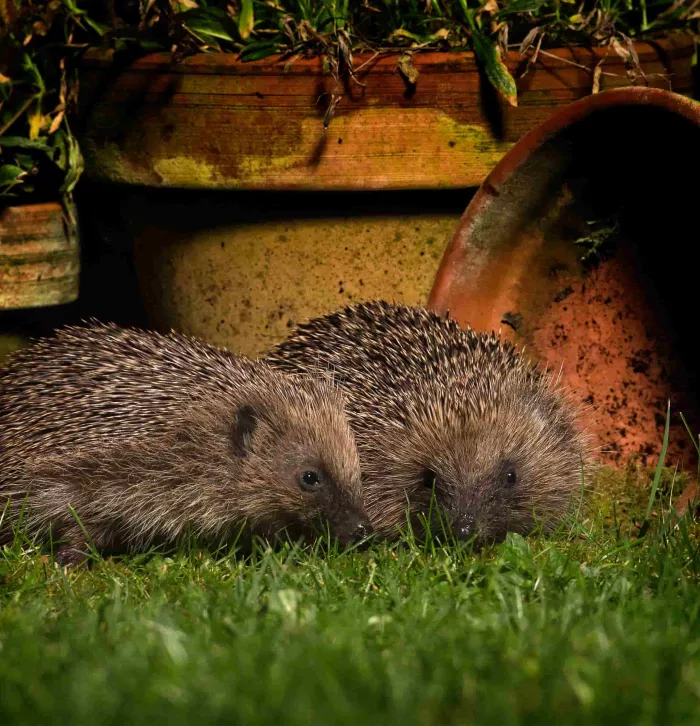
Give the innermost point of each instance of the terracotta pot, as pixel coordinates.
(240, 268)
(39, 257)
(214, 122)
(622, 324)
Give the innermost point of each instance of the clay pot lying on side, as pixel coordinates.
(580, 245)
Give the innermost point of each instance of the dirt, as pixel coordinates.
(612, 336)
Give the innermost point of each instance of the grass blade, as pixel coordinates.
(659, 467)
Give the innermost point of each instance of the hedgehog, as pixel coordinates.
(444, 415)
(126, 438)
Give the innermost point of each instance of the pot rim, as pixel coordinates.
(675, 44)
(34, 206)
(528, 145)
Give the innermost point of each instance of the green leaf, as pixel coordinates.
(25, 161)
(59, 150)
(10, 172)
(340, 13)
(256, 51)
(11, 175)
(97, 27)
(73, 9)
(402, 33)
(490, 56)
(521, 6)
(246, 19)
(21, 142)
(68, 158)
(32, 69)
(211, 22)
(76, 165)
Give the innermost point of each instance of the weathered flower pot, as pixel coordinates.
(237, 269)
(212, 121)
(39, 264)
(39, 257)
(240, 268)
(617, 170)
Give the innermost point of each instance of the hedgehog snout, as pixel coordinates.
(354, 529)
(361, 531)
(463, 524)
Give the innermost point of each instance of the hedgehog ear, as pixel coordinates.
(243, 429)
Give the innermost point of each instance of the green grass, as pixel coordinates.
(592, 626)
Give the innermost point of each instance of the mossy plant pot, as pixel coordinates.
(39, 263)
(239, 271)
(39, 257)
(212, 121)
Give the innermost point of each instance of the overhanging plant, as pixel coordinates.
(335, 29)
(41, 43)
(39, 157)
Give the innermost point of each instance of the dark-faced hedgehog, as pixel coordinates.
(145, 436)
(444, 410)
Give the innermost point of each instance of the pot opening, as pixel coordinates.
(586, 254)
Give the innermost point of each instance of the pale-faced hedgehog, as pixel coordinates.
(437, 407)
(146, 436)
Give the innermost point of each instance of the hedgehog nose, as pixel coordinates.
(464, 526)
(362, 530)
(465, 532)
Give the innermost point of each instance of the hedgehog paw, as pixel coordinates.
(69, 555)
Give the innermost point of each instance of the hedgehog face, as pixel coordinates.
(323, 490)
(476, 504)
(521, 467)
(518, 466)
(307, 468)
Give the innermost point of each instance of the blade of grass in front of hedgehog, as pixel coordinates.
(657, 473)
(696, 443)
(92, 552)
(671, 517)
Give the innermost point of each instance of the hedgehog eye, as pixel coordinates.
(310, 480)
(429, 479)
(511, 478)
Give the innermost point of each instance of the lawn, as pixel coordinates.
(594, 625)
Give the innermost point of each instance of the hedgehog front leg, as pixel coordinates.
(73, 548)
(70, 556)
